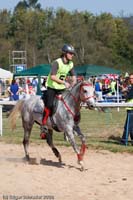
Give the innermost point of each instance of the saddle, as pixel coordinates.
(54, 108)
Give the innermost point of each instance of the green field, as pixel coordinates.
(102, 130)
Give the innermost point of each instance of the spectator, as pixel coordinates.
(34, 84)
(98, 89)
(43, 88)
(28, 81)
(106, 82)
(128, 127)
(14, 91)
(113, 86)
(119, 85)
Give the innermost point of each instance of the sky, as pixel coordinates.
(115, 7)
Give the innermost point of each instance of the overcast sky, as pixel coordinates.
(116, 7)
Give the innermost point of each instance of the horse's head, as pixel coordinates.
(87, 94)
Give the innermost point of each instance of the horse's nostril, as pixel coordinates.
(90, 106)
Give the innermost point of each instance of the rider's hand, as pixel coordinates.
(67, 85)
(73, 83)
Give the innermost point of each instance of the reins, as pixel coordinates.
(74, 98)
(67, 107)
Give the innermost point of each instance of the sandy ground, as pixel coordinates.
(107, 176)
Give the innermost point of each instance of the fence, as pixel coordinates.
(107, 116)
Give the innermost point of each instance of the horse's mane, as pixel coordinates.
(70, 90)
(67, 92)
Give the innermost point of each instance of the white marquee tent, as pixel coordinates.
(4, 74)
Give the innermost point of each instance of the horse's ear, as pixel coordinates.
(90, 81)
(79, 81)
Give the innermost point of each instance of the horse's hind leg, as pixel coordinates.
(27, 132)
(49, 138)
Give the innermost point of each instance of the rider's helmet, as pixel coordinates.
(68, 49)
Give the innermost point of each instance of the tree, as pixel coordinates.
(28, 4)
(5, 43)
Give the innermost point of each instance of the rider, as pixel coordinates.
(56, 83)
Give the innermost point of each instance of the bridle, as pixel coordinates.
(81, 88)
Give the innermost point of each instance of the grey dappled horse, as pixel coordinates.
(63, 118)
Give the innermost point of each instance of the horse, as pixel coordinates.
(63, 119)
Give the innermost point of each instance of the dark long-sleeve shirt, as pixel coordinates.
(129, 94)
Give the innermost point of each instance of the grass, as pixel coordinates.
(102, 130)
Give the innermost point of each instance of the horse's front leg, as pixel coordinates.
(49, 138)
(80, 153)
(82, 138)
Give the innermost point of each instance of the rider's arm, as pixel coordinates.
(54, 72)
(129, 94)
(74, 79)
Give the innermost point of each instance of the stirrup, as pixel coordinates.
(44, 129)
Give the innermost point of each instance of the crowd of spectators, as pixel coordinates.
(110, 87)
(20, 87)
(106, 87)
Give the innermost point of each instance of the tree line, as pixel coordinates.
(98, 39)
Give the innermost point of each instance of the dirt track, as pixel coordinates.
(106, 176)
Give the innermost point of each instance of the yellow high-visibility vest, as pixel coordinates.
(61, 74)
(129, 101)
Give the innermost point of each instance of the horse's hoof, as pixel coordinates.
(27, 157)
(60, 160)
(33, 161)
(82, 168)
(80, 162)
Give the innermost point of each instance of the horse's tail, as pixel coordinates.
(15, 113)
